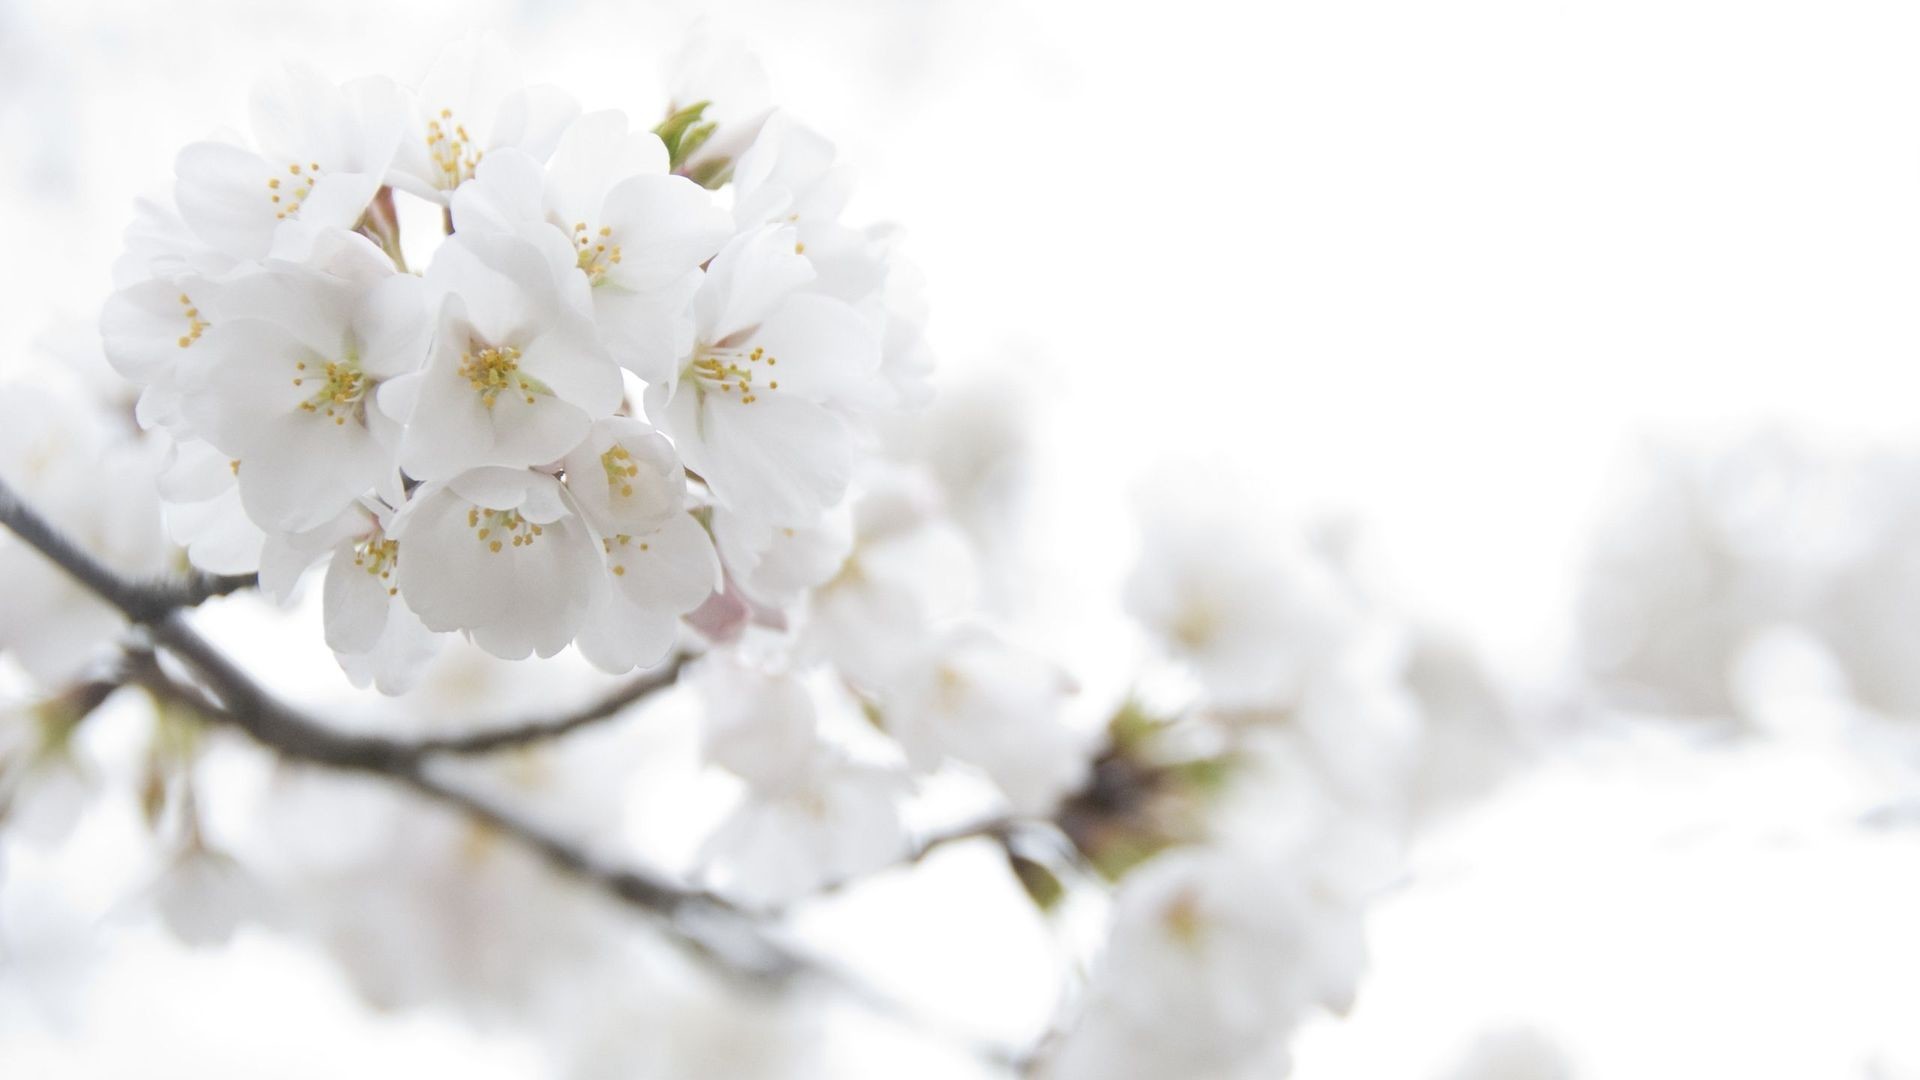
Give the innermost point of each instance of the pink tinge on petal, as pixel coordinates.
(721, 618)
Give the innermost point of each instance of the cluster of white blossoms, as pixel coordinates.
(626, 344)
(614, 385)
(1317, 727)
(512, 377)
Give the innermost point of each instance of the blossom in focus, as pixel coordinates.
(473, 101)
(516, 375)
(639, 234)
(752, 408)
(502, 555)
(290, 389)
(320, 154)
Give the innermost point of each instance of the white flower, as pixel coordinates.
(908, 569)
(775, 564)
(501, 555)
(515, 376)
(1251, 614)
(289, 389)
(639, 234)
(45, 786)
(1213, 958)
(906, 360)
(760, 726)
(64, 460)
(630, 486)
(973, 698)
(726, 81)
(1701, 553)
(836, 820)
(168, 287)
(321, 153)
(751, 409)
(1512, 1054)
(789, 176)
(810, 815)
(204, 896)
(375, 636)
(202, 509)
(472, 102)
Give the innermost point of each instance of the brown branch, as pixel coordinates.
(141, 602)
(151, 602)
(228, 696)
(237, 700)
(540, 729)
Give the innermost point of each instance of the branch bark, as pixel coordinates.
(141, 602)
(733, 940)
(238, 701)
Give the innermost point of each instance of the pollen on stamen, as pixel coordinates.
(491, 369)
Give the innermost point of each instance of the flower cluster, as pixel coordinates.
(626, 342)
(1250, 812)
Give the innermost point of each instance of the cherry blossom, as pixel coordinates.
(515, 376)
(752, 407)
(472, 102)
(501, 555)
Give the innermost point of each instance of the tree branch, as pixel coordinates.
(244, 704)
(141, 602)
(706, 923)
(540, 729)
(151, 602)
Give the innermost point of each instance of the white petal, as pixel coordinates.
(672, 569)
(750, 277)
(356, 602)
(827, 352)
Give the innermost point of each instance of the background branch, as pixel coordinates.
(239, 702)
(731, 939)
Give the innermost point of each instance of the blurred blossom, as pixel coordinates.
(97, 484)
(205, 895)
(507, 396)
(1512, 1054)
(1714, 550)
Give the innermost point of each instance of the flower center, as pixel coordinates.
(379, 556)
(730, 371)
(494, 527)
(1184, 920)
(595, 252)
(619, 548)
(490, 369)
(621, 469)
(343, 394)
(195, 324)
(289, 194)
(454, 153)
(1197, 626)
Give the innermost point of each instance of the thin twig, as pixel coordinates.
(243, 704)
(998, 828)
(541, 729)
